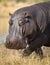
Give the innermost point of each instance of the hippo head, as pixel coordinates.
(19, 28)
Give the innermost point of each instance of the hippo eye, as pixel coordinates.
(24, 21)
(10, 22)
(20, 23)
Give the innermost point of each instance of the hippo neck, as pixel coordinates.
(31, 37)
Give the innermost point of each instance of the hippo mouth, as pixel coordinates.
(15, 46)
(20, 44)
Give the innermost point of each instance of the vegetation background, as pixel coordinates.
(14, 57)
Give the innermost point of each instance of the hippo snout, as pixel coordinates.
(15, 43)
(10, 43)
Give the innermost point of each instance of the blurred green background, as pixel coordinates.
(24, 0)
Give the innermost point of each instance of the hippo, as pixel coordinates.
(29, 29)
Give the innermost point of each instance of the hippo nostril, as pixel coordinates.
(8, 43)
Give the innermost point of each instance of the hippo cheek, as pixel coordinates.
(21, 45)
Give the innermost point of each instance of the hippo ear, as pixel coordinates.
(10, 14)
(26, 14)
